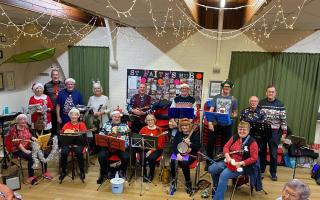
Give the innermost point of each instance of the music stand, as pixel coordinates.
(222, 119)
(72, 140)
(180, 113)
(3, 119)
(260, 131)
(110, 142)
(143, 142)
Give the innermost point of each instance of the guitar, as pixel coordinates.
(135, 117)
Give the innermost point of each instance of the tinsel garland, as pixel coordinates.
(37, 153)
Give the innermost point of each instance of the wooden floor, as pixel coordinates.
(76, 190)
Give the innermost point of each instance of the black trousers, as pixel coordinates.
(273, 142)
(225, 132)
(184, 166)
(64, 157)
(103, 156)
(54, 123)
(27, 157)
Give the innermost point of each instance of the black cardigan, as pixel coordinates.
(194, 139)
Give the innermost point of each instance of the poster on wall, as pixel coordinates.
(215, 88)
(164, 82)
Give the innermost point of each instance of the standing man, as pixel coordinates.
(68, 98)
(52, 89)
(184, 100)
(253, 113)
(138, 107)
(276, 117)
(222, 103)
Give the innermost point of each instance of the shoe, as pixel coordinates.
(62, 176)
(82, 175)
(213, 192)
(101, 179)
(151, 177)
(172, 188)
(274, 177)
(145, 179)
(48, 176)
(189, 189)
(33, 180)
(205, 193)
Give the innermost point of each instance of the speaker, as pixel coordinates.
(12, 181)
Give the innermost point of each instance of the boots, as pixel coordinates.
(189, 189)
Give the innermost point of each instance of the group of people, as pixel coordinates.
(57, 110)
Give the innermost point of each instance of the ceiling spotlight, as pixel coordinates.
(222, 3)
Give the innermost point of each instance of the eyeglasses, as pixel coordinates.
(289, 193)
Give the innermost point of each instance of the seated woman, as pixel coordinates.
(73, 126)
(116, 129)
(152, 155)
(222, 171)
(193, 141)
(21, 147)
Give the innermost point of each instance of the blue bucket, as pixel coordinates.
(117, 185)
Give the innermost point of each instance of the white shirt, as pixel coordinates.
(95, 102)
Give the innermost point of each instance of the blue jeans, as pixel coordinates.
(220, 175)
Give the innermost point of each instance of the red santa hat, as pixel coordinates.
(36, 85)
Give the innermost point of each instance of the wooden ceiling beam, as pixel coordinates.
(56, 9)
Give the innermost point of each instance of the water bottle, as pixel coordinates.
(117, 175)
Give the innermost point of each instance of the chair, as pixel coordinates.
(72, 154)
(159, 162)
(112, 159)
(9, 149)
(244, 179)
(193, 165)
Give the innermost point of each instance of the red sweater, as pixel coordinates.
(253, 149)
(79, 127)
(146, 131)
(41, 100)
(23, 134)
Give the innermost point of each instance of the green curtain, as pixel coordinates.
(87, 64)
(296, 77)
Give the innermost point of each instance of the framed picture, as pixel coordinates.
(1, 54)
(215, 88)
(10, 80)
(1, 82)
(3, 38)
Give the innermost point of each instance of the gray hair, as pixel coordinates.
(21, 116)
(74, 111)
(300, 187)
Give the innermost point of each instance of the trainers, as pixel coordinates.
(205, 193)
(213, 192)
(33, 180)
(274, 177)
(48, 176)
